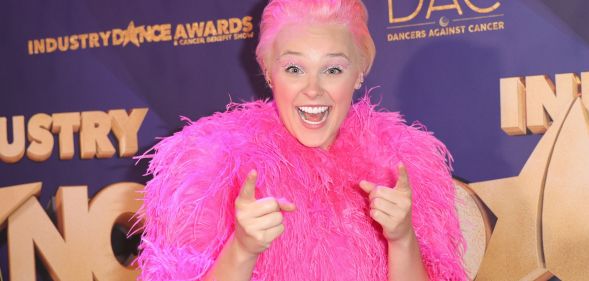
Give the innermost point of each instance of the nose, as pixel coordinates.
(313, 88)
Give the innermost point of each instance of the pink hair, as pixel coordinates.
(351, 13)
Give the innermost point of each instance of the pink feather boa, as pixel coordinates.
(197, 173)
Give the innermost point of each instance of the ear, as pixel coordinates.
(266, 67)
(267, 77)
(267, 74)
(359, 80)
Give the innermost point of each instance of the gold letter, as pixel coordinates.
(66, 124)
(196, 29)
(513, 106)
(29, 228)
(12, 152)
(11, 197)
(39, 46)
(114, 204)
(104, 36)
(544, 102)
(443, 7)
(235, 26)
(482, 10)
(74, 44)
(223, 25)
(40, 138)
(392, 19)
(94, 135)
(51, 44)
(247, 24)
(125, 128)
(166, 34)
(93, 40)
(30, 45)
(210, 29)
(118, 36)
(180, 32)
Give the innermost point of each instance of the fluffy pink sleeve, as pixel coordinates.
(427, 160)
(188, 205)
(435, 218)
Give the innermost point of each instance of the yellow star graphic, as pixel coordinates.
(131, 34)
(565, 226)
(540, 213)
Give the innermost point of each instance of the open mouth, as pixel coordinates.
(313, 115)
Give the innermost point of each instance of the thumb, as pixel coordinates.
(402, 179)
(248, 190)
(286, 205)
(367, 186)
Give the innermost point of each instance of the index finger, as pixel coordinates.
(402, 179)
(248, 190)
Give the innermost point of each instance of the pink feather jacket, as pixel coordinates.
(197, 173)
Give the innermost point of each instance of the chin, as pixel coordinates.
(315, 141)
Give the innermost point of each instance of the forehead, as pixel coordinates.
(314, 41)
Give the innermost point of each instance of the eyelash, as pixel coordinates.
(291, 68)
(337, 68)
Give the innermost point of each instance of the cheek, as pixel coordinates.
(284, 96)
(282, 88)
(342, 93)
(342, 87)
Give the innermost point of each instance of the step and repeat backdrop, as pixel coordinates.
(86, 86)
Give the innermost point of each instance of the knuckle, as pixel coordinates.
(405, 203)
(375, 214)
(377, 203)
(274, 204)
(378, 192)
(279, 217)
(371, 196)
(408, 195)
(269, 203)
(281, 228)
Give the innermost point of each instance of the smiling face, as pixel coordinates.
(314, 69)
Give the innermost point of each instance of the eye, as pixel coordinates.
(334, 70)
(294, 69)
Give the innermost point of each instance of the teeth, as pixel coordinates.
(313, 109)
(323, 110)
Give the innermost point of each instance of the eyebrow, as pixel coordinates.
(331, 55)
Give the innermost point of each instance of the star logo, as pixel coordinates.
(542, 229)
(131, 34)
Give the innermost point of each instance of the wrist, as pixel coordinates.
(240, 253)
(406, 241)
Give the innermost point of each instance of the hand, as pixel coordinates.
(259, 222)
(391, 207)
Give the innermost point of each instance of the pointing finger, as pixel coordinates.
(286, 205)
(367, 186)
(248, 190)
(402, 180)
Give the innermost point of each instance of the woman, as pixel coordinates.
(308, 187)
